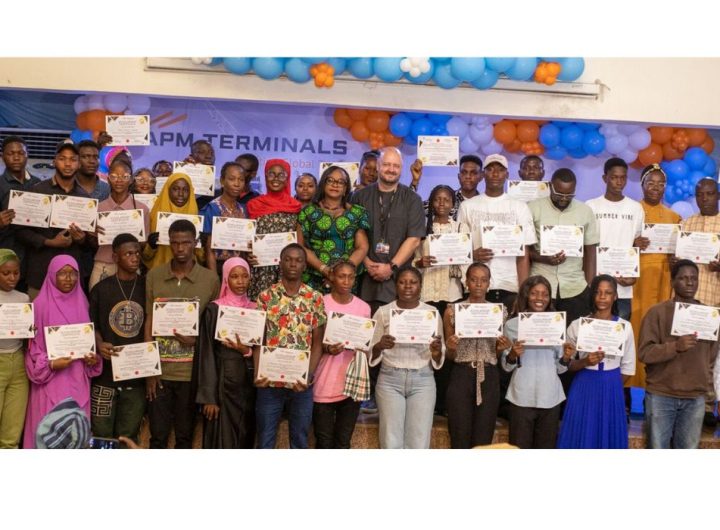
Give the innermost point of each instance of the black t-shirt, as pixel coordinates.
(119, 317)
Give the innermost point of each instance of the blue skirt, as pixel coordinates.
(595, 412)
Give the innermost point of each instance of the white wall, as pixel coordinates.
(670, 91)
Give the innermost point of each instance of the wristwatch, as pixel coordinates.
(394, 267)
(564, 362)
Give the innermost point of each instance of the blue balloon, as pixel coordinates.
(268, 67)
(444, 78)
(237, 65)
(499, 64)
(549, 135)
(362, 67)
(86, 135)
(388, 68)
(696, 158)
(400, 125)
(694, 178)
(677, 171)
(571, 137)
(467, 68)
(556, 153)
(439, 119)
(577, 153)
(76, 135)
(421, 127)
(523, 69)
(215, 61)
(312, 60)
(422, 78)
(416, 115)
(441, 60)
(437, 130)
(593, 142)
(571, 68)
(670, 195)
(297, 70)
(586, 126)
(710, 168)
(487, 79)
(339, 64)
(410, 140)
(562, 124)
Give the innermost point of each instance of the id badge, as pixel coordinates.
(382, 248)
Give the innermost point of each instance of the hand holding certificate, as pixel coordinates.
(71, 341)
(438, 150)
(504, 240)
(478, 320)
(606, 336)
(80, 211)
(698, 247)
(233, 234)
(353, 332)
(171, 317)
(267, 247)
(283, 366)
(542, 329)
(562, 238)
(17, 321)
(619, 262)
(136, 360)
(702, 321)
(31, 209)
(128, 129)
(248, 324)
(121, 222)
(663, 238)
(413, 326)
(450, 249)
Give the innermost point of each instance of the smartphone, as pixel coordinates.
(104, 443)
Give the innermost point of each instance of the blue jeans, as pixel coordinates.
(406, 402)
(624, 306)
(269, 407)
(678, 420)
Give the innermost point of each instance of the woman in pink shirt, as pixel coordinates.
(334, 412)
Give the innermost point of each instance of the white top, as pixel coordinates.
(619, 223)
(626, 362)
(501, 210)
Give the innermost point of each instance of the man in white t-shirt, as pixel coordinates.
(494, 207)
(620, 222)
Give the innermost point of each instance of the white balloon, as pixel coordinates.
(684, 208)
(495, 119)
(609, 129)
(616, 144)
(405, 64)
(628, 155)
(415, 71)
(640, 139)
(480, 120)
(456, 126)
(95, 102)
(467, 146)
(81, 104)
(115, 102)
(481, 135)
(627, 129)
(492, 147)
(138, 104)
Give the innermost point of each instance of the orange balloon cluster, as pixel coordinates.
(93, 120)
(369, 126)
(323, 74)
(519, 136)
(670, 143)
(547, 73)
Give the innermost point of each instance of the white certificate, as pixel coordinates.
(67, 210)
(542, 329)
(230, 233)
(439, 150)
(128, 129)
(450, 249)
(353, 332)
(165, 219)
(267, 247)
(148, 199)
(160, 183)
(413, 326)
(31, 209)
(699, 247)
(527, 190)
(175, 317)
(504, 240)
(562, 238)
(283, 365)
(121, 222)
(623, 262)
(73, 340)
(136, 360)
(202, 176)
(478, 320)
(352, 168)
(663, 238)
(693, 319)
(17, 321)
(248, 324)
(607, 336)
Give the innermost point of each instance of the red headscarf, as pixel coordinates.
(274, 202)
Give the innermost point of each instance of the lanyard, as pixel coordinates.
(385, 215)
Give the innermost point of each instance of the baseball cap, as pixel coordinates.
(496, 158)
(66, 144)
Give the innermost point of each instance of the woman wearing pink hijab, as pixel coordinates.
(60, 301)
(226, 387)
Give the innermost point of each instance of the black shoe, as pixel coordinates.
(710, 420)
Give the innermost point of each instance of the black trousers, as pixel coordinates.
(334, 423)
(173, 407)
(468, 423)
(533, 428)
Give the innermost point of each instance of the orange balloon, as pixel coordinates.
(342, 118)
(661, 135)
(528, 131)
(359, 131)
(637, 164)
(514, 146)
(504, 132)
(375, 144)
(377, 120)
(330, 81)
(81, 121)
(670, 153)
(553, 69)
(708, 145)
(95, 120)
(696, 137)
(391, 140)
(358, 114)
(652, 154)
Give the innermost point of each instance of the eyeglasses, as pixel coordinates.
(335, 182)
(656, 185)
(272, 175)
(67, 274)
(561, 195)
(119, 177)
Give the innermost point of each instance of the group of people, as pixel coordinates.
(361, 250)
